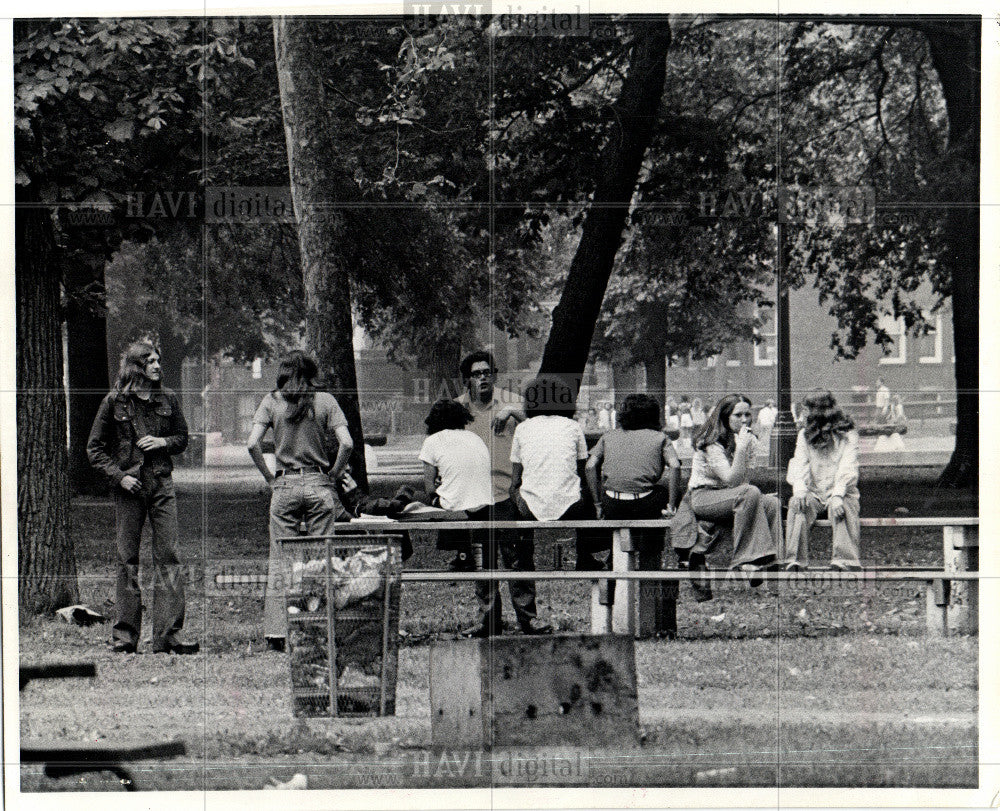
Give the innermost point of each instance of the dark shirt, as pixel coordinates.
(122, 420)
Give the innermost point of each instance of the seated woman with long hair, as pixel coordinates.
(824, 478)
(719, 492)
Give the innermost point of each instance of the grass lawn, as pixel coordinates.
(805, 686)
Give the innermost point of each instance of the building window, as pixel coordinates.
(765, 347)
(929, 344)
(896, 352)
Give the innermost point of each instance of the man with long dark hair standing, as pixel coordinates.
(302, 486)
(139, 425)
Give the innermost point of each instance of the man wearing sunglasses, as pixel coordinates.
(496, 412)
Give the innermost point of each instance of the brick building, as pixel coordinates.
(921, 369)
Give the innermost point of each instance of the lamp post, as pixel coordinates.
(804, 206)
(784, 431)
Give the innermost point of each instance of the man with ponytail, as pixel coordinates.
(302, 486)
(139, 425)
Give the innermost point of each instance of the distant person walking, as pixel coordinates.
(883, 402)
(139, 426)
(302, 487)
(685, 421)
(698, 415)
(824, 478)
(765, 422)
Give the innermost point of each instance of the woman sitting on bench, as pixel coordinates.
(824, 478)
(720, 494)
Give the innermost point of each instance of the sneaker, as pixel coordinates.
(481, 631)
(174, 645)
(794, 566)
(123, 646)
(535, 627)
(845, 567)
(750, 569)
(702, 588)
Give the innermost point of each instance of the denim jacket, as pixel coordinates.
(111, 446)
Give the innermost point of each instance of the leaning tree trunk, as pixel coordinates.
(86, 362)
(46, 564)
(316, 184)
(957, 59)
(635, 112)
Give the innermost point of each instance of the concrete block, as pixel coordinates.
(456, 676)
(600, 609)
(529, 691)
(961, 554)
(937, 614)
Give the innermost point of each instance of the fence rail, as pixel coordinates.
(637, 606)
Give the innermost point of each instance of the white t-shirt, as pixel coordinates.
(463, 463)
(548, 448)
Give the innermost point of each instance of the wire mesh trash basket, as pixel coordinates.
(343, 624)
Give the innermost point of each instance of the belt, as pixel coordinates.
(626, 496)
(287, 470)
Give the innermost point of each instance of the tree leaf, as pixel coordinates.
(121, 130)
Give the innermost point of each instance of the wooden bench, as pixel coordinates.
(881, 430)
(64, 758)
(639, 605)
(952, 604)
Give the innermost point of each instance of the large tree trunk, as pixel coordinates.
(656, 380)
(46, 564)
(957, 59)
(87, 367)
(443, 362)
(317, 183)
(635, 112)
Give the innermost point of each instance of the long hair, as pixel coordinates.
(447, 414)
(640, 411)
(825, 420)
(295, 384)
(716, 426)
(132, 367)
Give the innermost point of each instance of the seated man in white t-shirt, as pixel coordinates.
(548, 456)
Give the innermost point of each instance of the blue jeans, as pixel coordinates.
(157, 502)
(295, 497)
(518, 555)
